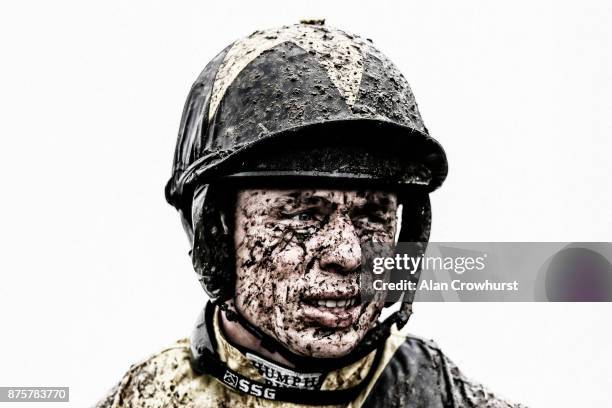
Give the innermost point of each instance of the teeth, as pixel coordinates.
(336, 303)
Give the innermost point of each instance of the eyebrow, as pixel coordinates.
(298, 198)
(370, 207)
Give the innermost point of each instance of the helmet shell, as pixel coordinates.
(296, 88)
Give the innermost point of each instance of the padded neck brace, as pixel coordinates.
(205, 360)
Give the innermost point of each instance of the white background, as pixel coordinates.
(95, 272)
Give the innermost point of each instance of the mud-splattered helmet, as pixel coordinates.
(301, 101)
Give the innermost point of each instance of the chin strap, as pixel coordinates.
(204, 360)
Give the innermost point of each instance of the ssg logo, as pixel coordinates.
(230, 379)
(248, 387)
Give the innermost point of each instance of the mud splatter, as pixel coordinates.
(295, 248)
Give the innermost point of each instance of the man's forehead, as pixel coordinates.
(340, 196)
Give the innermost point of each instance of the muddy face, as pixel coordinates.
(298, 254)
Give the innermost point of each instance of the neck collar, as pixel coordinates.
(246, 372)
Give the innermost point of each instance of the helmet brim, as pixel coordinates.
(340, 153)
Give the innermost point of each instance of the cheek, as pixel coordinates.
(380, 234)
(370, 314)
(268, 269)
(289, 263)
(285, 278)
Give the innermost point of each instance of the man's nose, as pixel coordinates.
(342, 253)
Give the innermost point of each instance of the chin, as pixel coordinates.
(307, 343)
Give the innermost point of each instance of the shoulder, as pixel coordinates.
(418, 370)
(410, 372)
(469, 393)
(408, 354)
(155, 381)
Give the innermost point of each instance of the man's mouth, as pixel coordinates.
(333, 313)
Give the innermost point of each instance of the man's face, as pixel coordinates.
(298, 254)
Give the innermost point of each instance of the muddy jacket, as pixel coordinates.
(407, 372)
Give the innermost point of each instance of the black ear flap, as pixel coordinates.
(415, 228)
(416, 216)
(212, 253)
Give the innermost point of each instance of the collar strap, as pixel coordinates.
(208, 363)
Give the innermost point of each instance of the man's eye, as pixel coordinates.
(303, 216)
(370, 219)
